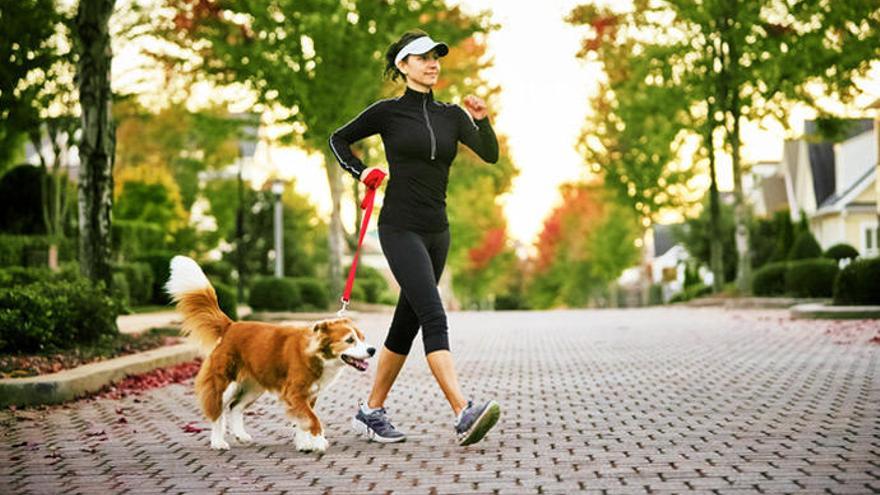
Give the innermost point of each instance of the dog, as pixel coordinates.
(245, 359)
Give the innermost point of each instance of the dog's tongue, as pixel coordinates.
(361, 365)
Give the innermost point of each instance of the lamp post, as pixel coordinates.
(278, 190)
(247, 147)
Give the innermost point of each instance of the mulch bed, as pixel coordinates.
(19, 366)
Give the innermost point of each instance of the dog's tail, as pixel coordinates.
(203, 321)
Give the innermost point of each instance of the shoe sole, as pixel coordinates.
(371, 435)
(483, 424)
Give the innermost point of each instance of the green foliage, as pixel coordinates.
(21, 207)
(811, 277)
(771, 238)
(371, 283)
(305, 235)
(694, 234)
(692, 292)
(27, 55)
(227, 298)
(32, 250)
(274, 294)
(149, 203)
(54, 314)
(222, 271)
(160, 264)
(857, 283)
(121, 289)
(313, 292)
(140, 281)
(805, 247)
(132, 238)
(769, 280)
(841, 251)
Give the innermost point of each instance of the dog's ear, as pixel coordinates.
(320, 326)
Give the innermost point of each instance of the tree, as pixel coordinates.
(97, 147)
(586, 242)
(752, 60)
(316, 63)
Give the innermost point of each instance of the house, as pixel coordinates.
(834, 184)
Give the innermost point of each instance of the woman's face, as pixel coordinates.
(422, 69)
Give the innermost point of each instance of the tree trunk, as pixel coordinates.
(740, 212)
(336, 236)
(97, 147)
(716, 254)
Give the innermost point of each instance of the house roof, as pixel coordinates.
(663, 239)
(847, 198)
(821, 154)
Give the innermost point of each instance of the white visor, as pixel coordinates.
(419, 46)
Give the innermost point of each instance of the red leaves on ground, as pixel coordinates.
(190, 428)
(135, 384)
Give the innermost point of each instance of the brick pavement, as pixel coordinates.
(657, 400)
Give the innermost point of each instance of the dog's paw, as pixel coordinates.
(306, 442)
(219, 444)
(243, 437)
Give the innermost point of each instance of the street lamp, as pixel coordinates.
(278, 190)
(247, 147)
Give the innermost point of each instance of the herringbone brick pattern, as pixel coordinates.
(633, 401)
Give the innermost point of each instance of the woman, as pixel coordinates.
(420, 137)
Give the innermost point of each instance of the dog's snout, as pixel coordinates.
(371, 351)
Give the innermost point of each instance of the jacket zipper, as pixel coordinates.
(430, 129)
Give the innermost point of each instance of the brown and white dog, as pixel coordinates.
(245, 359)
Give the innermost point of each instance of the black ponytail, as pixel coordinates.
(391, 70)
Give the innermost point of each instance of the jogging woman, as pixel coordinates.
(420, 136)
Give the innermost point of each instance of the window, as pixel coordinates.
(870, 241)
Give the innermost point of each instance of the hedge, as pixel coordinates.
(133, 238)
(139, 277)
(839, 252)
(859, 283)
(805, 247)
(769, 280)
(811, 277)
(33, 250)
(274, 294)
(54, 314)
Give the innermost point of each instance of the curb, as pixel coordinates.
(70, 384)
(828, 312)
(753, 302)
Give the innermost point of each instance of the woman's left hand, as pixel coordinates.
(476, 107)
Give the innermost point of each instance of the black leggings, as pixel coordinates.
(417, 261)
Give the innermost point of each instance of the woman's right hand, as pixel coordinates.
(372, 177)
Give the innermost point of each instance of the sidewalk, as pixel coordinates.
(657, 400)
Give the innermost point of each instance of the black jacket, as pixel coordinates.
(421, 138)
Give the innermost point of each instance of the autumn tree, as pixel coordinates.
(315, 64)
(733, 61)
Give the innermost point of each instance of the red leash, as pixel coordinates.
(367, 205)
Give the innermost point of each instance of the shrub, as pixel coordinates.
(33, 250)
(312, 292)
(54, 314)
(228, 299)
(858, 283)
(372, 283)
(133, 238)
(160, 265)
(805, 247)
(811, 277)
(274, 294)
(139, 276)
(121, 289)
(769, 280)
(839, 252)
(222, 271)
(691, 292)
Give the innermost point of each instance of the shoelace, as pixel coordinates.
(378, 417)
